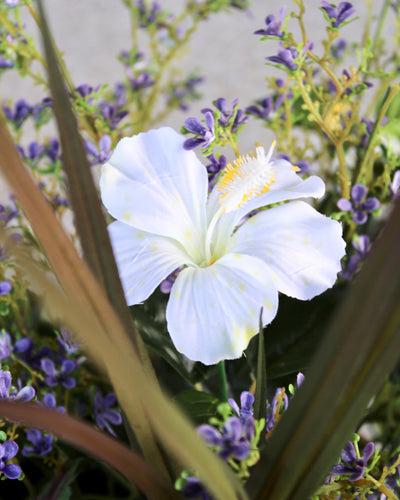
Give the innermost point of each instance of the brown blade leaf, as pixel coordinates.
(360, 349)
(73, 274)
(92, 442)
(133, 386)
(89, 219)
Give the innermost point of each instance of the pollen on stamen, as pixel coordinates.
(246, 178)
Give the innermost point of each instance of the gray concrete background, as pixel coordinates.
(92, 32)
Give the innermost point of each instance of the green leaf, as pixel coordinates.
(198, 406)
(59, 488)
(260, 402)
(359, 350)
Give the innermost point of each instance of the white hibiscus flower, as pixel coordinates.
(165, 219)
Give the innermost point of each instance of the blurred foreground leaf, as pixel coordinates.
(85, 309)
(93, 442)
(361, 347)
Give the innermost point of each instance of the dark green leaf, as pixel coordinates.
(59, 488)
(89, 219)
(361, 348)
(260, 403)
(198, 406)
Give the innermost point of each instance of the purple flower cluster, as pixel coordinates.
(289, 57)
(233, 440)
(229, 118)
(181, 93)
(8, 450)
(23, 394)
(361, 205)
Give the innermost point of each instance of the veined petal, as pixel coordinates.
(213, 312)
(153, 184)
(144, 260)
(287, 185)
(302, 247)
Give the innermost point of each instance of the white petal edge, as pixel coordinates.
(153, 184)
(213, 312)
(302, 247)
(144, 260)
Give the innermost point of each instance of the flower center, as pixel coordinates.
(246, 178)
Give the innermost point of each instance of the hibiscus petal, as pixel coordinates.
(287, 186)
(213, 312)
(153, 184)
(144, 260)
(301, 247)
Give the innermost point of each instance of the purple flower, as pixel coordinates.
(362, 248)
(5, 287)
(34, 154)
(103, 415)
(84, 89)
(99, 154)
(214, 168)
(166, 285)
(193, 488)
(338, 48)
(40, 109)
(263, 110)
(49, 401)
(234, 440)
(24, 394)
(55, 377)
(12, 3)
(20, 114)
(272, 410)
(5, 345)
(183, 92)
(227, 113)
(206, 133)
(67, 341)
(337, 15)
(274, 26)
(5, 63)
(246, 402)
(53, 150)
(42, 444)
(8, 450)
(150, 15)
(142, 81)
(302, 165)
(7, 213)
(361, 205)
(286, 57)
(112, 113)
(351, 463)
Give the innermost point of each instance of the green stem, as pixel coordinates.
(344, 177)
(381, 22)
(367, 162)
(223, 385)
